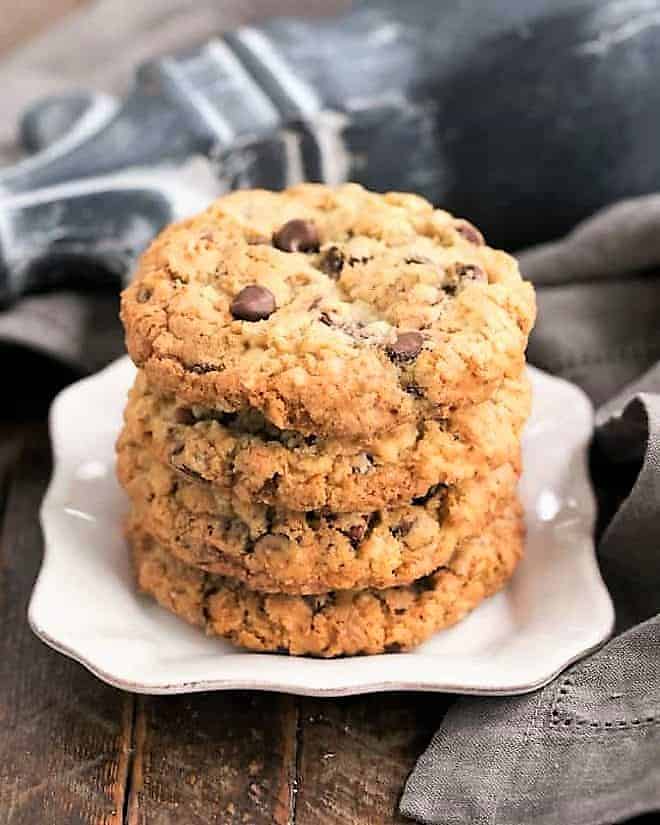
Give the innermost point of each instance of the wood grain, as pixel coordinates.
(74, 751)
(65, 735)
(355, 754)
(213, 758)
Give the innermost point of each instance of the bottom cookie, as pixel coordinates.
(341, 623)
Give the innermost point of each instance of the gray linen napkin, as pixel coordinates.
(584, 750)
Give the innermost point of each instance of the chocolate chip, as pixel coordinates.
(203, 368)
(402, 529)
(469, 232)
(406, 347)
(332, 262)
(393, 647)
(144, 293)
(324, 318)
(425, 584)
(459, 275)
(184, 415)
(359, 532)
(470, 272)
(297, 236)
(414, 389)
(313, 519)
(352, 261)
(429, 494)
(269, 487)
(356, 533)
(254, 303)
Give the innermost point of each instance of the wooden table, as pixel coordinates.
(74, 750)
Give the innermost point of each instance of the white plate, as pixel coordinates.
(84, 604)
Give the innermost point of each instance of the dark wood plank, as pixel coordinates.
(11, 442)
(354, 756)
(214, 758)
(75, 752)
(65, 738)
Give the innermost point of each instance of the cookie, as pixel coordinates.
(278, 550)
(343, 623)
(331, 311)
(243, 454)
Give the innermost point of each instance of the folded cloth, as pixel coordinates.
(599, 298)
(585, 749)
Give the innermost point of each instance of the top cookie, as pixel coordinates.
(331, 311)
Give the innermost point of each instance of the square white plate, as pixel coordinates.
(84, 603)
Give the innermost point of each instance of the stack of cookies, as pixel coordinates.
(322, 444)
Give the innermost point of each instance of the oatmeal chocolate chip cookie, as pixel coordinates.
(337, 623)
(280, 550)
(335, 312)
(241, 453)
